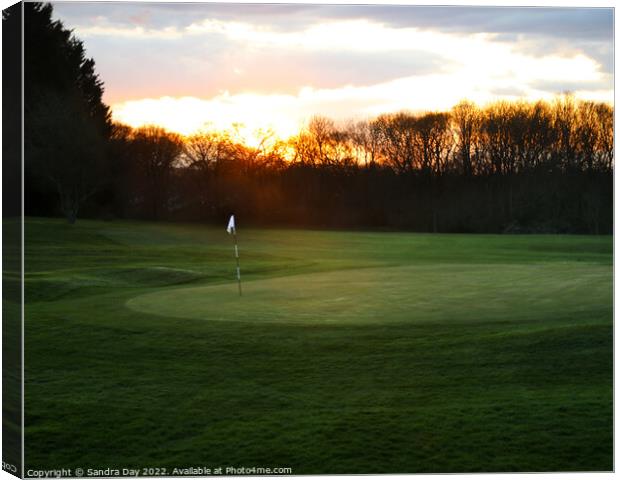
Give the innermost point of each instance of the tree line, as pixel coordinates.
(519, 166)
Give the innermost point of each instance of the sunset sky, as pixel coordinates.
(274, 66)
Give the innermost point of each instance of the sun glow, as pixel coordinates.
(248, 116)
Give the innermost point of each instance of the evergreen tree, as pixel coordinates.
(66, 122)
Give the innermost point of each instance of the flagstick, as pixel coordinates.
(237, 257)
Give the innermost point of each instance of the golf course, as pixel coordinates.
(347, 352)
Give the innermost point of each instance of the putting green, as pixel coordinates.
(410, 294)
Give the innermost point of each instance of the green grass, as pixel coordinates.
(349, 352)
(11, 348)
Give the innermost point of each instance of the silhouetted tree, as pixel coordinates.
(66, 122)
(605, 148)
(397, 140)
(155, 151)
(401, 170)
(11, 110)
(466, 119)
(67, 149)
(365, 139)
(565, 124)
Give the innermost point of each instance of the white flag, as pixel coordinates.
(231, 225)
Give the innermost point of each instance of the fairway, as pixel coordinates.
(349, 352)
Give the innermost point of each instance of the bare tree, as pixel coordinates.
(202, 153)
(497, 137)
(365, 140)
(397, 140)
(156, 151)
(605, 147)
(466, 121)
(321, 131)
(539, 138)
(433, 141)
(565, 124)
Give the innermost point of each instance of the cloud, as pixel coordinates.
(569, 85)
(475, 54)
(157, 67)
(564, 22)
(129, 32)
(569, 23)
(354, 60)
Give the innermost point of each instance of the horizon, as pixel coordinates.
(274, 66)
